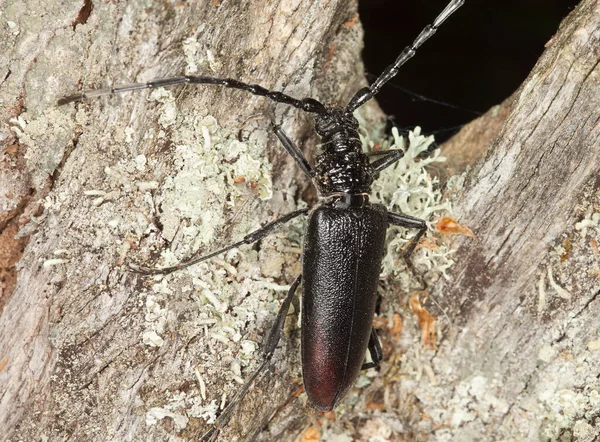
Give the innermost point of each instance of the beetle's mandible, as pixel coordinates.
(344, 239)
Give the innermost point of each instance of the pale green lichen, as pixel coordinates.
(567, 409)
(217, 178)
(204, 157)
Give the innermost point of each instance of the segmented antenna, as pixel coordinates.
(306, 104)
(365, 94)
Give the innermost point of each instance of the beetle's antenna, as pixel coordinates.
(306, 104)
(366, 93)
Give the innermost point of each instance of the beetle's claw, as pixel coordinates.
(143, 269)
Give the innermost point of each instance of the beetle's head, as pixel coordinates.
(335, 120)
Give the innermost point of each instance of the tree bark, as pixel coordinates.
(522, 354)
(91, 350)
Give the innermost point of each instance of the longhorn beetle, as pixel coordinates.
(344, 240)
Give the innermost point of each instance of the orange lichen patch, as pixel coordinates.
(298, 391)
(428, 243)
(239, 179)
(449, 226)
(394, 326)
(375, 406)
(397, 325)
(11, 250)
(424, 318)
(329, 415)
(565, 254)
(380, 322)
(12, 149)
(594, 245)
(3, 363)
(352, 21)
(330, 53)
(376, 147)
(311, 434)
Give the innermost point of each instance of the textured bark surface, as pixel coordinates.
(81, 182)
(522, 351)
(90, 350)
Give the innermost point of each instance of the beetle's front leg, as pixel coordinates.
(294, 151)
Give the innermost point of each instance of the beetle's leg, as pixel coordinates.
(248, 239)
(306, 104)
(432, 147)
(294, 151)
(410, 222)
(393, 155)
(374, 350)
(376, 153)
(268, 350)
(390, 157)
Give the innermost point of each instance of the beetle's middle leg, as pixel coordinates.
(410, 222)
(267, 351)
(248, 239)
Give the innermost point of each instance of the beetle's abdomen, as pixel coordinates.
(341, 263)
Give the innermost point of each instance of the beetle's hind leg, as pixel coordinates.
(375, 351)
(268, 350)
(248, 239)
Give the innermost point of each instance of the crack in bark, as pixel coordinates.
(499, 249)
(545, 112)
(101, 370)
(66, 155)
(585, 306)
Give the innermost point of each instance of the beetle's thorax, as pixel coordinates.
(341, 166)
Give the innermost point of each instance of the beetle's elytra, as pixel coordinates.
(344, 239)
(341, 264)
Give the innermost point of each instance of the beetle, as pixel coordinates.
(344, 238)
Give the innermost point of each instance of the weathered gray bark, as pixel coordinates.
(80, 336)
(89, 350)
(523, 345)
